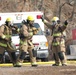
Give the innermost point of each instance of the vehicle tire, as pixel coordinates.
(5, 59)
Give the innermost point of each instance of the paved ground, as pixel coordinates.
(42, 69)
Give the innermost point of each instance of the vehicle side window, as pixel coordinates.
(35, 25)
(19, 26)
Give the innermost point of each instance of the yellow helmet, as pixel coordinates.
(31, 18)
(9, 19)
(55, 19)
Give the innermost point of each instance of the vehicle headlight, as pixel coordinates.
(46, 44)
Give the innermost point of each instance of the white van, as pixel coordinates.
(39, 40)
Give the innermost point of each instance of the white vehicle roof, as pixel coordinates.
(19, 16)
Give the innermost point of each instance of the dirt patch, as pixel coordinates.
(40, 70)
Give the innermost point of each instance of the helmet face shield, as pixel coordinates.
(55, 20)
(53, 23)
(31, 23)
(58, 21)
(30, 20)
(10, 23)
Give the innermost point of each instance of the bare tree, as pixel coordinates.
(73, 12)
(61, 6)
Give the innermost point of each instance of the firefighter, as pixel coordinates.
(26, 33)
(5, 40)
(58, 42)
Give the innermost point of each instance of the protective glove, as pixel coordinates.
(66, 22)
(5, 38)
(14, 27)
(42, 18)
(23, 22)
(34, 28)
(30, 34)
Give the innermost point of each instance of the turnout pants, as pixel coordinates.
(59, 54)
(27, 46)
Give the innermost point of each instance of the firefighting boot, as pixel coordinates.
(55, 64)
(62, 58)
(17, 64)
(21, 59)
(56, 60)
(14, 58)
(34, 63)
(64, 64)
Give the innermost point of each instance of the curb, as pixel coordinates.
(39, 63)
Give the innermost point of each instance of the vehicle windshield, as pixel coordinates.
(40, 32)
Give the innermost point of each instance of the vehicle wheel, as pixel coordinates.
(6, 59)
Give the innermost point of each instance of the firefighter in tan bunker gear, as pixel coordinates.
(5, 39)
(58, 42)
(26, 33)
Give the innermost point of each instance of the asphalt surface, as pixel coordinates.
(40, 70)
